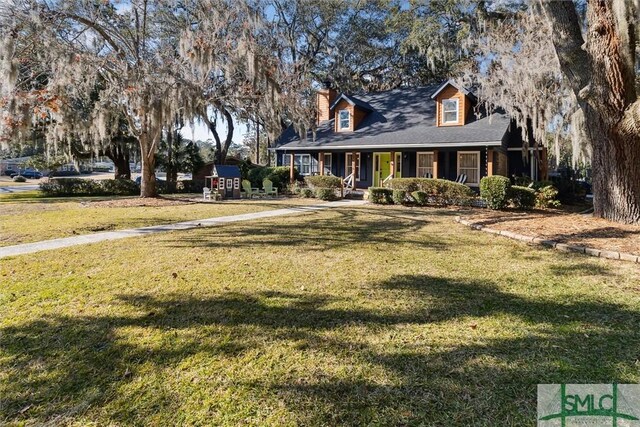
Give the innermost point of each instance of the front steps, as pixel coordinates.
(357, 194)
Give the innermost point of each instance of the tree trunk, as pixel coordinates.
(147, 155)
(229, 138)
(222, 149)
(120, 159)
(257, 142)
(602, 76)
(616, 171)
(172, 175)
(218, 153)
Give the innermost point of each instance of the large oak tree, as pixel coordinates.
(569, 69)
(600, 66)
(147, 61)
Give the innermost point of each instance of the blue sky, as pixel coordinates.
(201, 132)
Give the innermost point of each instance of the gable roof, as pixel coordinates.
(451, 82)
(351, 100)
(403, 117)
(226, 171)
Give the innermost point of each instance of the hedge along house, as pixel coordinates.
(431, 131)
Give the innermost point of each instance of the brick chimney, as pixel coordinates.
(325, 98)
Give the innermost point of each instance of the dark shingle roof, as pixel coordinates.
(401, 117)
(226, 171)
(462, 89)
(353, 101)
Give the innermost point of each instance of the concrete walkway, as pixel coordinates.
(28, 248)
(10, 189)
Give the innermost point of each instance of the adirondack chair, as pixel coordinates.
(206, 193)
(249, 192)
(268, 188)
(462, 178)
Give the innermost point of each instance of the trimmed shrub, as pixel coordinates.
(120, 187)
(87, 187)
(189, 186)
(421, 197)
(440, 191)
(19, 178)
(323, 181)
(495, 191)
(399, 197)
(161, 186)
(522, 197)
(328, 194)
(293, 188)
(306, 192)
(381, 195)
(71, 187)
(546, 197)
(537, 185)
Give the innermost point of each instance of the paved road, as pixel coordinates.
(18, 188)
(28, 248)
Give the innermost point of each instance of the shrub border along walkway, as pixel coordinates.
(623, 256)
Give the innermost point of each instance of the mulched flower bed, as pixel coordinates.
(564, 227)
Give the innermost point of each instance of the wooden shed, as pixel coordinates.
(225, 180)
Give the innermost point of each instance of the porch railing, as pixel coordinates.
(347, 184)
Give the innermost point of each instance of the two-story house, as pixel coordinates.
(432, 132)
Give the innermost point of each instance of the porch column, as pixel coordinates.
(392, 164)
(544, 164)
(490, 162)
(321, 162)
(353, 167)
(291, 169)
(435, 164)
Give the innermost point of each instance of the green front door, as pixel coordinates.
(381, 167)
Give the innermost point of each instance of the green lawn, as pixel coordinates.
(354, 316)
(34, 219)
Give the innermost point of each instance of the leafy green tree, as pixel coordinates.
(178, 155)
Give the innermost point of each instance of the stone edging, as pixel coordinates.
(552, 243)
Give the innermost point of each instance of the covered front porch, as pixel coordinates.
(368, 168)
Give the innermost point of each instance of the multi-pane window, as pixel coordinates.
(344, 119)
(450, 110)
(302, 163)
(328, 159)
(349, 168)
(398, 165)
(469, 164)
(425, 165)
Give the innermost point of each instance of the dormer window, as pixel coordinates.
(450, 110)
(344, 120)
